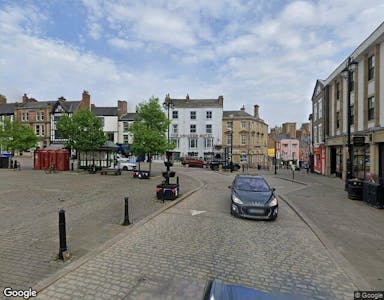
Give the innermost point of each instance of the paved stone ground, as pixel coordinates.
(354, 229)
(94, 205)
(172, 255)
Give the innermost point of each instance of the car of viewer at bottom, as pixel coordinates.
(252, 197)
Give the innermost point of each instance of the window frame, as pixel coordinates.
(371, 67)
(371, 108)
(192, 128)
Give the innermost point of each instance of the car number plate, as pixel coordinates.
(255, 211)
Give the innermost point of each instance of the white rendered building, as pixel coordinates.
(196, 126)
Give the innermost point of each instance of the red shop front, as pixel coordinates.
(44, 159)
(319, 160)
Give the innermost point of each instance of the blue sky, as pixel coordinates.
(268, 53)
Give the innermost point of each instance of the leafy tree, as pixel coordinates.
(149, 130)
(15, 136)
(3, 99)
(83, 131)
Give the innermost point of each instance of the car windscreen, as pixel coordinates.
(251, 184)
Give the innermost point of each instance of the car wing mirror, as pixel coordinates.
(229, 186)
(273, 189)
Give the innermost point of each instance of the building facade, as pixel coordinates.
(364, 95)
(289, 128)
(125, 122)
(318, 130)
(36, 115)
(289, 151)
(196, 126)
(247, 136)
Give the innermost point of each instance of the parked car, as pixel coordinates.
(194, 162)
(126, 165)
(252, 197)
(215, 164)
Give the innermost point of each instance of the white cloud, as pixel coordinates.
(125, 44)
(252, 52)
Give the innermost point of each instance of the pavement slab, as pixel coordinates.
(176, 253)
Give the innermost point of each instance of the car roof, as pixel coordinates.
(249, 176)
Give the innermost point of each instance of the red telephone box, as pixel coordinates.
(44, 159)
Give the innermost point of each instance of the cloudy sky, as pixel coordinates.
(265, 52)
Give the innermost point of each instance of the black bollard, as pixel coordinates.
(126, 213)
(62, 234)
(162, 191)
(177, 180)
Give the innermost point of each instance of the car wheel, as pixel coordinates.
(125, 168)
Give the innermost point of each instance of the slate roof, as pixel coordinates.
(236, 113)
(197, 103)
(7, 109)
(105, 111)
(36, 105)
(69, 106)
(128, 117)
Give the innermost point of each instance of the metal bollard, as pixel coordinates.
(162, 192)
(62, 234)
(126, 212)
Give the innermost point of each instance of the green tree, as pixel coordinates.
(149, 130)
(15, 136)
(83, 131)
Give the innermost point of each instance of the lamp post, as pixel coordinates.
(348, 73)
(275, 158)
(231, 131)
(167, 105)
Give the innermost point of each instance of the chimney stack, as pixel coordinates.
(122, 107)
(242, 108)
(187, 98)
(25, 98)
(221, 100)
(86, 101)
(256, 111)
(3, 99)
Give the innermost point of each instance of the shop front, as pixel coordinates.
(319, 160)
(361, 165)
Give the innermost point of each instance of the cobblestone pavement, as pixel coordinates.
(172, 255)
(352, 228)
(94, 205)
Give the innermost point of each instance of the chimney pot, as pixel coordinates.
(256, 111)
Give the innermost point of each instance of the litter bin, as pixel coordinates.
(170, 191)
(355, 189)
(373, 194)
(141, 174)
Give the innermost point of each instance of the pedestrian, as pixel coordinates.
(307, 168)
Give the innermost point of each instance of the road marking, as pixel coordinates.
(197, 212)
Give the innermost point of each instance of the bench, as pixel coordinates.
(110, 172)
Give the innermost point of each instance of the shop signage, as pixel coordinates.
(359, 140)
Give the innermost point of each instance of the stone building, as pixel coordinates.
(247, 136)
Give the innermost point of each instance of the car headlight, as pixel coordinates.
(273, 202)
(236, 200)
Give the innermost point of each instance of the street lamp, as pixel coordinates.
(348, 73)
(167, 105)
(231, 131)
